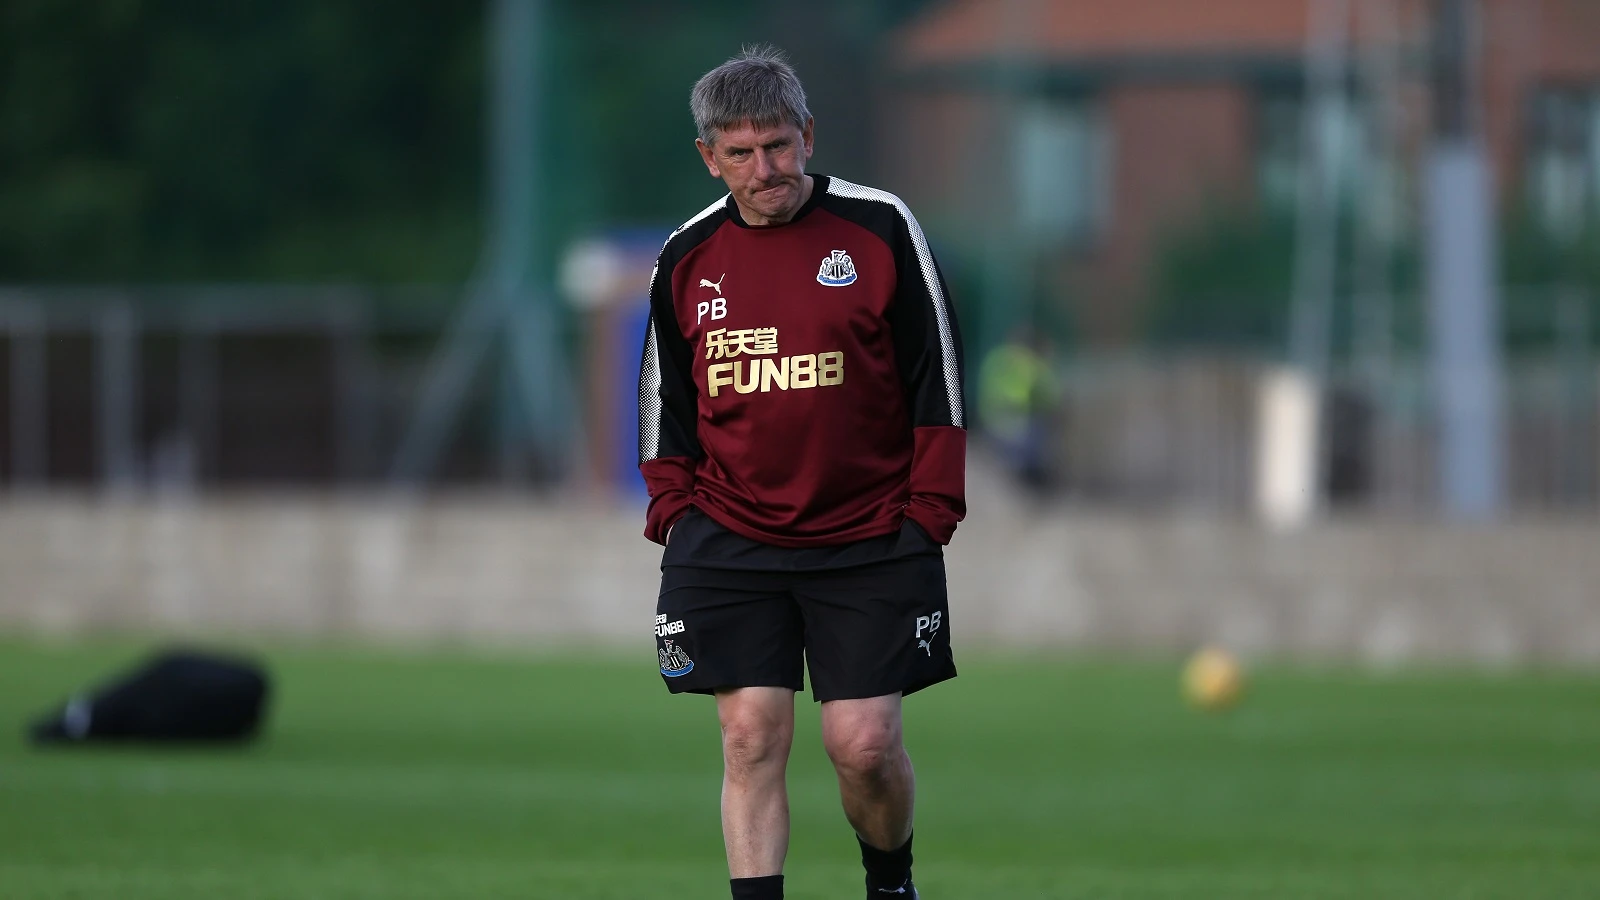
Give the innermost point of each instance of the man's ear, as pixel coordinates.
(807, 134)
(710, 159)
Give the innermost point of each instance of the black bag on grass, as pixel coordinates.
(179, 696)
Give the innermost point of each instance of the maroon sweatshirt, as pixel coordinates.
(801, 383)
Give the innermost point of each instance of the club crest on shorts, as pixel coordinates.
(674, 661)
(838, 270)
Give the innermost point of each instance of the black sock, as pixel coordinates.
(887, 870)
(767, 887)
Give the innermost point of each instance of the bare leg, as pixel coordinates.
(757, 732)
(876, 783)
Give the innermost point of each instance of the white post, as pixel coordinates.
(1286, 448)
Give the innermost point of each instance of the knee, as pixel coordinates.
(867, 753)
(750, 747)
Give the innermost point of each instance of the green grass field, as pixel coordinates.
(411, 775)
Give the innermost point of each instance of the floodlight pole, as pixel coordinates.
(509, 300)
(1007, 291)
(535, 404)
(1316, 228)
(1463, 306)
(1316, 253)
(1378, 228)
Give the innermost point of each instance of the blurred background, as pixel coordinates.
(320, 323)
(1280, 315)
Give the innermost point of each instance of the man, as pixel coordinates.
(801, 432)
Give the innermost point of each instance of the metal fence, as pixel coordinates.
(1182, 431)
(194, 386)
(184, 386)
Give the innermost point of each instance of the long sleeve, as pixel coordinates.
(928, 355)
(668, 447)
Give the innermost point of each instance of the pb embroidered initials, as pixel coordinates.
(717, 307)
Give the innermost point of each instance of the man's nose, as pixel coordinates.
(764, 166)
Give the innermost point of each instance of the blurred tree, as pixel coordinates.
(253, 139)
(1223, 279)
(1544, 273)
(304, 140)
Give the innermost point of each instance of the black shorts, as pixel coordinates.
(864, 631)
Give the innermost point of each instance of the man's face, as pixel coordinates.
(764, 168)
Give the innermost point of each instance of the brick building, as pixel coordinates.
(1062, 138)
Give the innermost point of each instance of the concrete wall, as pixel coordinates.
(484, 570)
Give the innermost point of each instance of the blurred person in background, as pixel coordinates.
(802, 435)
(1017, 396)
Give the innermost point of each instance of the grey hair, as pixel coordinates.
(757, 86)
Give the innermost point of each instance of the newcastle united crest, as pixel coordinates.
(674, 661)
(837, 270)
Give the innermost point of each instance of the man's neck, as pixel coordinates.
(752, 218)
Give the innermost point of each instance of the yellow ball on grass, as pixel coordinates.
(1213, 680)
